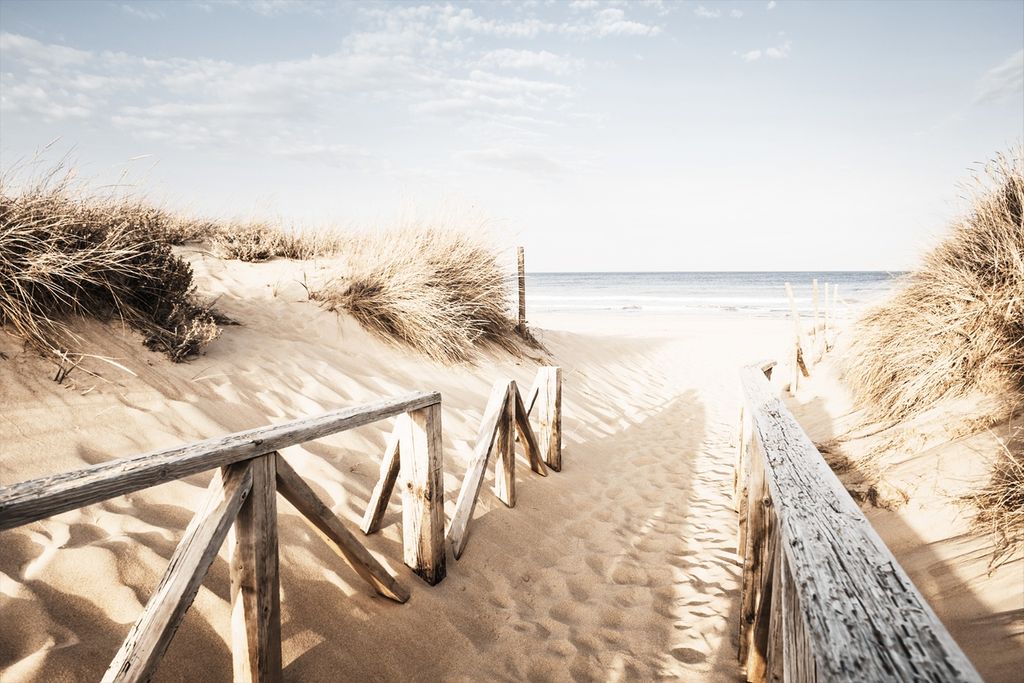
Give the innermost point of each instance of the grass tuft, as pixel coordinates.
(64, 254)
(956, 330)
(438, 290)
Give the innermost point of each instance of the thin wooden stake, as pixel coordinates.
(527, 437)
(422, 486)
(255, 588)
(505, 466)
(378, 503)
(521, 259)
(794, 381)
(149, 637)
(297, 492)
(814, 286)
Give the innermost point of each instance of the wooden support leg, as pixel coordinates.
(527, 437)
(505, 466)
(255, 590)
(752, 550)
(297, 492)
(152, 633)
(422, 486)
(549, 400)
(378, 503)
(470, 491)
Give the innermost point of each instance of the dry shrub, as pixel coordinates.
(65, 254)
(956, 330)
(441, 291)
(957, 324)
(261, 241)
(1000, 503)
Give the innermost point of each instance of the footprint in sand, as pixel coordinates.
(688, 655)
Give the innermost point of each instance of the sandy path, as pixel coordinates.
(621, 567)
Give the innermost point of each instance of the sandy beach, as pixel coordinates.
(620, 567)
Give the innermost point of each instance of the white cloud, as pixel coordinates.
(140, 12)
(583, 4)
(736, 13)
(530, 59)
(772, 4)
(705, 13)
(1004, 81)
(41, 54)
(778, 52)
(514, 158)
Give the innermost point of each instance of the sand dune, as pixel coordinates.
(621, 567)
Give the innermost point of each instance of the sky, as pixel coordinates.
(601, 136)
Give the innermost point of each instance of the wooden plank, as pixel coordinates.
(750, 576)
(865, 619)
(549, 399)
(149, 637)
(521, 264)
(814, 287)
(505, 465)
(422, 488)
(527, 437)
(775, 669)
(381, 494)
(797, 656)
(40, 498)
(297, 492)
(471, 483)
(255, 588)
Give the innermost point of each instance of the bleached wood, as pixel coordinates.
(152, 632)
(750, 575)
(521, 266)
(471, 483)
(381, 494)
(297, 492)
(255, 588)
(814, 287)
(527, 437)
(422, 486)
(864, 618)
(549, 401)
(505, 463)
(40, 498)
(531, 397)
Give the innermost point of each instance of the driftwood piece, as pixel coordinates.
(255, 588)
(152, 632)
(422, 486)
(40, 498)
(505, 465)
(865, 620)
(297, 492)
(381, 494)
(471, 483)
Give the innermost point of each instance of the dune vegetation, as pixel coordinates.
(955, 330)
(67, 253)
(439, 290)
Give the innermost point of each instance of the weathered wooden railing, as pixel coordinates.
(506, 415)
(823, 598)
(241, 501)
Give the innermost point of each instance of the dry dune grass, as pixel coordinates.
(259, 241)
(956, 328)
(64, 254)
(441, 291)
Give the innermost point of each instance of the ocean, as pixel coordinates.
(760, 294)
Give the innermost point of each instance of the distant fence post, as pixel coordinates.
(521, 258)
(549, 400)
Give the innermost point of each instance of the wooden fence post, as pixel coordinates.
(255, 589)
(814, 286)
(549, 400)
(521, 258)
(505, 466)
(421, 476)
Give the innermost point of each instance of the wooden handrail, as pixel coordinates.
(823, 598)
(47, 496)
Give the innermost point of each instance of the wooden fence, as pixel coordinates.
(241, 503)
(822, 597)
(240, 506)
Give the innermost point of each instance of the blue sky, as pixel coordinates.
(600, 135)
